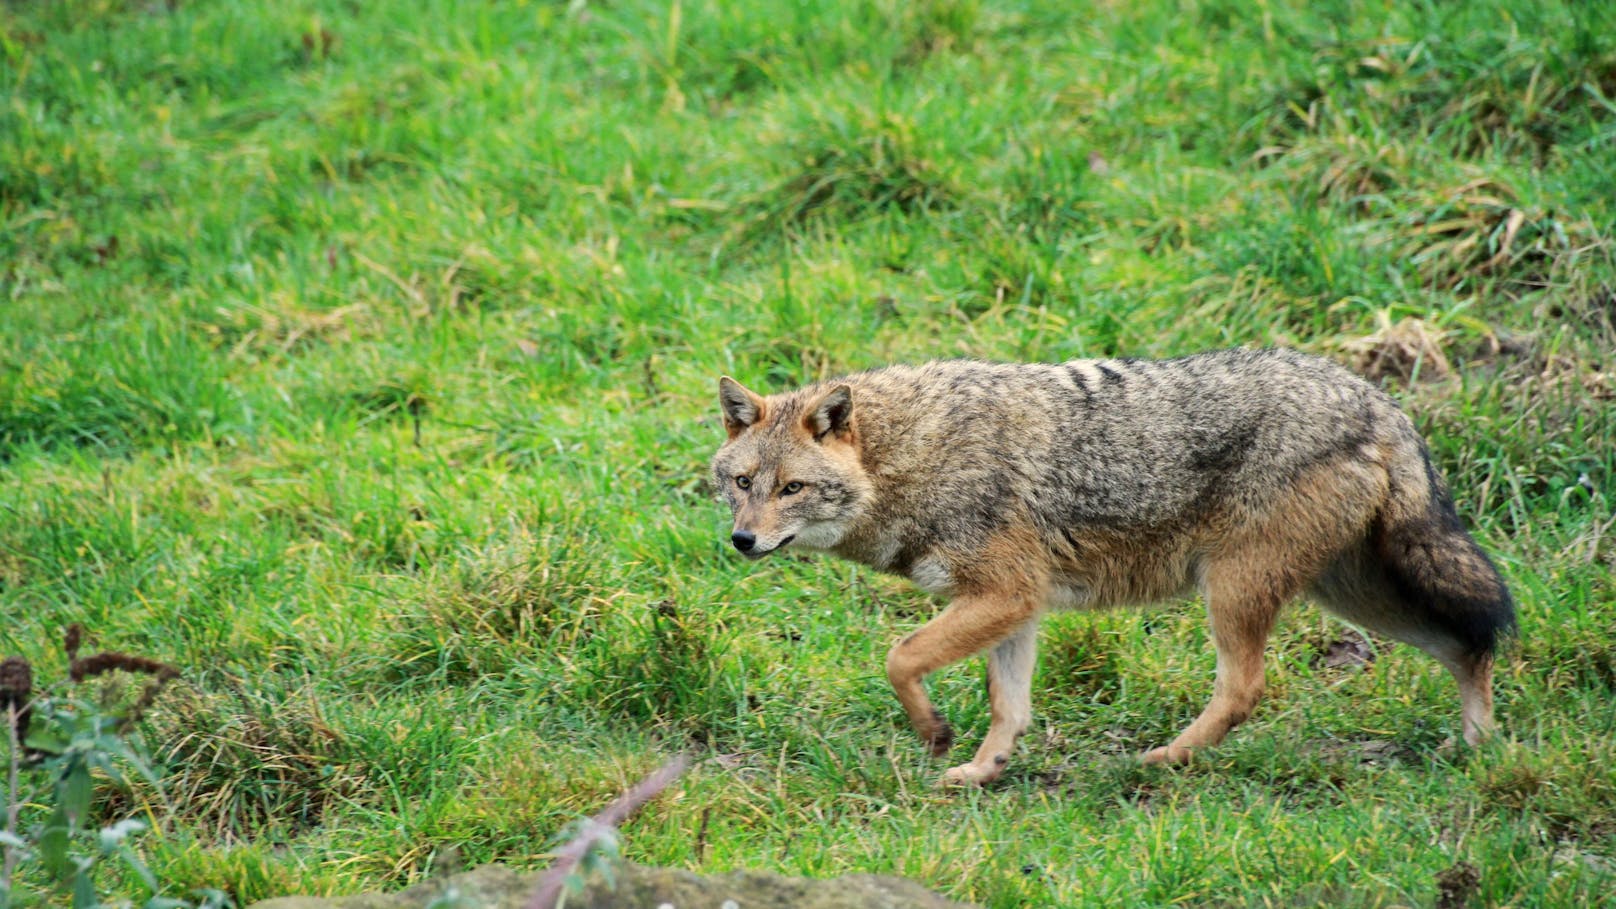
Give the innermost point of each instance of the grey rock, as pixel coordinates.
(641, 887)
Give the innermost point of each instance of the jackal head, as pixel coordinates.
(790, 470)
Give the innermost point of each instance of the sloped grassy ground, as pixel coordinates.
(359, 359)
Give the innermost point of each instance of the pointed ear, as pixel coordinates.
(741, 407)
(832, 414)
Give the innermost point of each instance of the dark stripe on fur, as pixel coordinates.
(1081, 383)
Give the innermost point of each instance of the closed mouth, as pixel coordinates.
(760, 553)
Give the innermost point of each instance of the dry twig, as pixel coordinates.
(548, 894)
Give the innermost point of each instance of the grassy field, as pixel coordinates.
(360, 360)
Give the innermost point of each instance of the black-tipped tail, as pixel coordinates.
(1437, 569)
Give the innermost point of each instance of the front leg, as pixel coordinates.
(969, 625)
(1010, 667)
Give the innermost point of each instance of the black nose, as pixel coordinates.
(744, 540)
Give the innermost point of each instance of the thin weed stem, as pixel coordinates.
(13, 773)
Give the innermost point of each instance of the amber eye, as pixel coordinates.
(791, 489)
(743, 481)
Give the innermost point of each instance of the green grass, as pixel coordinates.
(360, 359)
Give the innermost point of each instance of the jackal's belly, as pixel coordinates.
(1071, 596)
(1122, 575)
(1119, 592)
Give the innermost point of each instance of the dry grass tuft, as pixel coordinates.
(1343, 167)
(1458, 236)
(845, 166)
(1406, 351)
(281, 327)
(242, 762)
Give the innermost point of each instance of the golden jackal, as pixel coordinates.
(1250, 476)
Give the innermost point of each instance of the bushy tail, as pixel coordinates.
(1437, 569)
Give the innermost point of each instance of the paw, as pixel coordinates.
(968, 775)
(937, 734)
(1167, 754)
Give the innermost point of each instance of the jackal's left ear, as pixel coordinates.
(741, 407)
(832, 414)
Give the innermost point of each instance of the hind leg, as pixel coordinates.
(1475, 677)
(1474, 673)
(1242, 605)
(1268, 557)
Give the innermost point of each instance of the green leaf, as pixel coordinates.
(73, 793)
(84, 890)
(104, 760)
(114, 836)
(47, 738)
(139, 867)
(213, 898)
(128, 752)
(53, 846)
